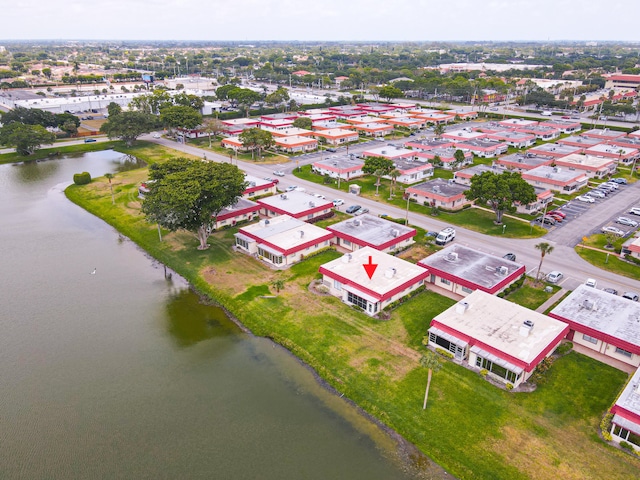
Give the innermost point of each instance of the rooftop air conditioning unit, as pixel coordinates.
(395, 232)
(452, 256)
(587, 304)
(502, 270)
(462, 307)
(390, 272)
(346, 258)
(283, 196)
(312, 204)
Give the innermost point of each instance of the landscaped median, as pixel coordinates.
(470, 427)
(475, 219)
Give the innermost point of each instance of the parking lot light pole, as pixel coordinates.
(504, 226)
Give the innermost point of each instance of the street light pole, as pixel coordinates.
(406, 219)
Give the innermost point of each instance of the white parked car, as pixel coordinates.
(278, 173)
(635, 211)
(614, 230)
(591, 282)
(320, 196)
(554, 277)
(596, 193)
(337, 202)
(626, 221)
(586, 199)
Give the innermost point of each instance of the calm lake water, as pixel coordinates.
(125, 374)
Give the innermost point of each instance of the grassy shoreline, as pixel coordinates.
(471, 428)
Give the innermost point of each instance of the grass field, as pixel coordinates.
(471, 218)
(470, 427)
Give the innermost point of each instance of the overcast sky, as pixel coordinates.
(333, 20)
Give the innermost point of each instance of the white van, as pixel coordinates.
(445, 236)
(546, 113)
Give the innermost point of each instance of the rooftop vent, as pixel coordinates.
(312, 204)
(357, 222)
(462, 307)
(390, 272)
(502, 270)
(452, 256)
(526, 327)
(587, 304)
(395, 232)
(283, 196)
(346, 258)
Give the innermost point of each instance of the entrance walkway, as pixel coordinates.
(554, 298)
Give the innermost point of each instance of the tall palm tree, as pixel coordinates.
(378, 173)
(430, 361)
(109, 176)
(278, 284)
(394, 174)
(545, 248)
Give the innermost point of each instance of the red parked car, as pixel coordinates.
(558, 213)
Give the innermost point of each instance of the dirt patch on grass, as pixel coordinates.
(416, 253)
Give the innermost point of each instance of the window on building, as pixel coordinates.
(623, 352)
(589, 339)
(356, 300)
(457, 351)
(497, 370)
(467, 290)
(346, 243)
(242, 243)
(445, 281)
(275, 259)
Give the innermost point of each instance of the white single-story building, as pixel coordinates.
(625, 425)
(371, 288)
(500, 337)
(283, 240)
(371, 231)
(296, 204)
(462, 270)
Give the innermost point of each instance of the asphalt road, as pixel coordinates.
(563, 257)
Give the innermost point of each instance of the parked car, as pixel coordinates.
(612, 291)
(89, 140)
(337, 202)
(591, 282)
(596, 193)
(446, 235)
(557, 218)
(557, 212)
(320, 196)
(614, 230)
(353, 208)
(361, 211)
(290, 188)
(584, 198)
(332, 150)
(555, 276)
(635, 211)
(510, 256)
(626, 221)
(613, 185)
(545, 219)
(630, 296)
(156, 135)
(619, 181)
(278, 173)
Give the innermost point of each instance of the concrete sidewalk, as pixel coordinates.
(554, 298)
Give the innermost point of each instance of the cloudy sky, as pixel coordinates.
(331, 20)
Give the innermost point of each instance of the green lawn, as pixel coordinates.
(471, 218)
(531, 295)
(611, 262)
(473, 429)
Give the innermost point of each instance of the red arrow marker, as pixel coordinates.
(370, 267)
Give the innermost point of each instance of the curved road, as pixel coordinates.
(563, 257)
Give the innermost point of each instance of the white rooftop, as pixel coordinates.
(602, 311)
(372, 230)
(612, 149)
(629, 399)
(577, 160)
(284, 232)
(388, 151)
(465, 135)
(391, 272)
(295, 202)
(474, 266)
(497, 323)
(518, 122)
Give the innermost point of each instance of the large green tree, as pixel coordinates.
(256, 140)
(26, 138)
(127, 126)
(303, 122)
(378, 166)
(500, 192)
(188, 194)
(180, 116)
(389, 92)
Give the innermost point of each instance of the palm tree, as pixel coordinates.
(378, 173)
(278, 284)
(109, 176)
(430, 361)
(394, 174)
(545, 249)
(438, 130)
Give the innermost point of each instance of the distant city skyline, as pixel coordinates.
(328, 20)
